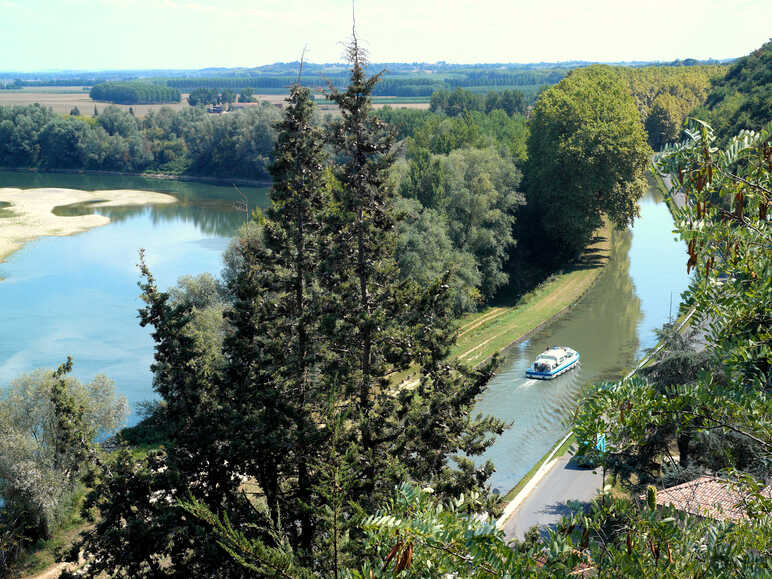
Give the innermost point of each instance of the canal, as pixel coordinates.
(611, 327)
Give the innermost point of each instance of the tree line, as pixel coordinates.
(134, 92)
(460, 101)
(188, 141)
(666, 95)
(397, 85)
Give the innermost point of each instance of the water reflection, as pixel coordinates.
(609, 327)
(212, 208)
(213, 217)
(185, 190)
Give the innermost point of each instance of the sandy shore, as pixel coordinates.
(32, 217)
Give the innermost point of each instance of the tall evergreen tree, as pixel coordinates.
(141, 531)
(379, 324)
(303, 404)
(273, 352)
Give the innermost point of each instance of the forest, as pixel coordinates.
(280, 445)
(742, 99)
(134, 93)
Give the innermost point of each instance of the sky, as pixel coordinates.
(38, 35)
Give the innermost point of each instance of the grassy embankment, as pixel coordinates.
(489, 331)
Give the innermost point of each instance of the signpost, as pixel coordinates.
(600, 446)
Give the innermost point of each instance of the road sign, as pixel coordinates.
(600, 442)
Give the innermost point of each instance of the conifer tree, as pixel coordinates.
(273, 352)
(379, 324)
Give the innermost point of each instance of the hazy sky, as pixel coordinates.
(121, 34)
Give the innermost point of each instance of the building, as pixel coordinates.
(707, 496)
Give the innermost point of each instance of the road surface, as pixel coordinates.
(547, 503)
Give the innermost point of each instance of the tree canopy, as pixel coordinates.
(48, 425)
(741, 99)
(587, 153)
(134, 93)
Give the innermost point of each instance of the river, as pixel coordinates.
(78, 296)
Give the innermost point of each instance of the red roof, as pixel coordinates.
(707, 496)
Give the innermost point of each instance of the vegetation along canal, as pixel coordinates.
(90, 307)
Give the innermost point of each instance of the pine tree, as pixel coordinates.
(273, 352)
(382, 324)
(293, 235)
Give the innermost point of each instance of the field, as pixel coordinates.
(63, 98)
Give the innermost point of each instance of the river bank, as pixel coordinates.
(28, 213)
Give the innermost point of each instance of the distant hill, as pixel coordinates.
(441, 68)
(742, 99)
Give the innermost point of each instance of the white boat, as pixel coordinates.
(553, 362)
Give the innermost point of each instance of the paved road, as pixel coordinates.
(547, 503)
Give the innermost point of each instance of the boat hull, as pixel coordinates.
(568, 366)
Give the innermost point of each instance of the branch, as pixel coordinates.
(719, 424)
(749, 183)
(465, 558)
(302, 60)
(743, 221)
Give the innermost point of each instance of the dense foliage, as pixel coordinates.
(134, 93)
(586, 155)
(461, 101)
(664, 96)
(459, 177)
(237, 145)
(742, 99)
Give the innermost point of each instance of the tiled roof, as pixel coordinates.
(706, 496)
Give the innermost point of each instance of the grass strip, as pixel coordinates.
(483, 334)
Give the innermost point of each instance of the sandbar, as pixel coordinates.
(32, 217)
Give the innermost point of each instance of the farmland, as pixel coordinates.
(62, 99)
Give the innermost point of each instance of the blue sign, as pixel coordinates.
(600, 442)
